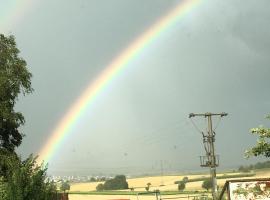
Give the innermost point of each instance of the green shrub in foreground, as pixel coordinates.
(24, 180)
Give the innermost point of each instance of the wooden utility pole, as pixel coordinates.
(208, 139)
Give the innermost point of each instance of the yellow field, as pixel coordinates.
(140, 183)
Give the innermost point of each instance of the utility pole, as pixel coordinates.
(210, 160)
(161, 173)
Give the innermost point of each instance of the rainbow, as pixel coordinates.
(110, 72)
(13, 11)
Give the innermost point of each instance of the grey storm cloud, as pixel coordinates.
(215, 58)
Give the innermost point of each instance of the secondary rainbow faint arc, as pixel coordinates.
(112, 70)
(15, 12)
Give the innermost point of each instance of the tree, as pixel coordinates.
(100, 187)
(244, 169)
(92, 179)
(19, 179)
(64, 186)
(263, 146)
(207, 184)
(15, 79)
(148, 186)
(181, 185)
(25, 180)
(117, 183)
(185, 179)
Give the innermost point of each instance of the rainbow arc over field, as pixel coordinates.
(111, 71)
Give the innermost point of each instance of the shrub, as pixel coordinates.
(117, 183)
(185, 179)
(64, 186)
(207, 184)
(181, 185)
(100, 187)
(25, 180)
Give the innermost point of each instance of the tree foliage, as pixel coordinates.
(263, 143)
(119, 182)
(25, 180)
(185, 179)
(64, 186)
(19, 179)
(100, 187)
(207, 184)
(181, 185)
(15, 79)
(93, 179)
(148, 186)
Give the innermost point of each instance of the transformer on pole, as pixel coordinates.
(210, 159)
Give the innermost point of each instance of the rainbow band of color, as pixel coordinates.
(112, 70)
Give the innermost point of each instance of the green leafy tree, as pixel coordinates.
(19, 179)
(207, 184)
(3, 189)
(119, 182)
(26, 180)
(15, 79)
(64, 186)
(181, 185)
(185, 179)
(263, 144)
(92, 179)
(100, 187)
(148, 186)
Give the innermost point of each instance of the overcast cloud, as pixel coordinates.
(215, 59)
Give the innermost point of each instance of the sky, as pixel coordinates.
(214, 59)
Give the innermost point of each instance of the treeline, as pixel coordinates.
(98, 179)
(258, 165)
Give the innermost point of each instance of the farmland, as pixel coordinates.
(85, 191)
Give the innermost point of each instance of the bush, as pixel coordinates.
(207, 184)
(181, 185)
(3, 189)
(64, 186)
(24, 180)
(185, 179)
(117, 183)
(100, 187)
(92, 179)
(148, 186)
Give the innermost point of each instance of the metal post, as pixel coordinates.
(212, 157)
(156, 192)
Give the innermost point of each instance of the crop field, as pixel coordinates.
(139, 185)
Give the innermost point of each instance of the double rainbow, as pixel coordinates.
(113, 69)
(13, 12)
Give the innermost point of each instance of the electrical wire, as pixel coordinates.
(219, 120)
(196, 127)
